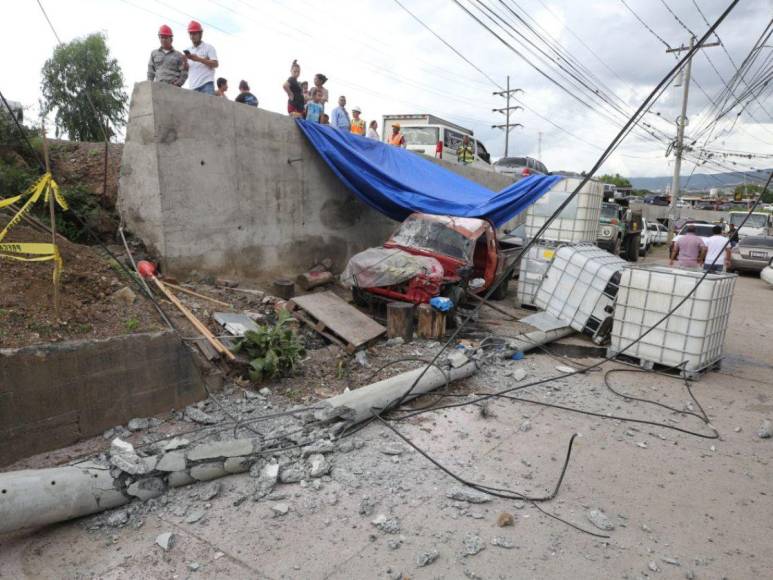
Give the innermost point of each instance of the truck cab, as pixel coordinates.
(759, 223)
(435, 137)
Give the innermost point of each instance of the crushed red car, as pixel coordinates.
(428, 256)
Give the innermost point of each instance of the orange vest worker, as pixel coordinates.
(358, 127)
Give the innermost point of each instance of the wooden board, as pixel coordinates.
(338, 317)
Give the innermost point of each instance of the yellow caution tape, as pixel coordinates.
(44, 186)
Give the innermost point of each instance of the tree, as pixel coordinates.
(752, 190)
(616, 180)
(76, 69)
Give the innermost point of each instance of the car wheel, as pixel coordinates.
(632, 248)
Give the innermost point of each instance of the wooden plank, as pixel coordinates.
(307, 321)
(340, 317)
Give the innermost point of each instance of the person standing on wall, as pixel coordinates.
(319, 82)
(166, 64)
(292, 87)
(314, 108)
(339, 118)
(245, 96)
(396, 138)
(222, 87)
(203, 61)
(373, 130)
(357, 125)
(464, 153)
(714, 246)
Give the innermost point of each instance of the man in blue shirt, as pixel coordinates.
(339, 118)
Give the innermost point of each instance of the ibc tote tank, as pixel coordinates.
(578, 222)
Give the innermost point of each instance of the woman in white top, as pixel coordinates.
(373, 131)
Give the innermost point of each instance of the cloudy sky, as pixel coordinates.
(386, 62)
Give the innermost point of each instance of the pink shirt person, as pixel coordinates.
(688, 249)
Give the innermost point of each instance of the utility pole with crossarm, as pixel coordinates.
(506, 111)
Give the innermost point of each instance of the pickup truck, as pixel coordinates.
(428, 256)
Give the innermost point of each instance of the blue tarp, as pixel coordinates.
(397, 182)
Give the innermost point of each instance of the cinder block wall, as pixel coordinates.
(56, 394)
(217, 187)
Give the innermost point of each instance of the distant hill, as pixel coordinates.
(699, 181)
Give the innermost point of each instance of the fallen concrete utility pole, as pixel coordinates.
(358, 405)
(531, 340)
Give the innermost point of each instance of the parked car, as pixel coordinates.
(656, 199)
(659, 233)
(767, 273)
(428, 256)
(751, 254)
(520, 166)
(702, 229)
(646, 238)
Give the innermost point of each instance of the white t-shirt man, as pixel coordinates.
(200, 74)
(714, 247)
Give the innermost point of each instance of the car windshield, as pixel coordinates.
(434, 236)
(420, 135)
(756, 220)
(758, 241)
(702, 230)
(608, 211)
(512, 162)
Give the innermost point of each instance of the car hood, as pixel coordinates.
(379, 267)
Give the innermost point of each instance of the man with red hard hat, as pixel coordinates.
(203, 61)
(166, 64)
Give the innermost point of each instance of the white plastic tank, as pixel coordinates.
(693, 336)
(578, 222)
(534, 265)
(580, 288)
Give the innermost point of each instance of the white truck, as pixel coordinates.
(759, 223)
(435, 137)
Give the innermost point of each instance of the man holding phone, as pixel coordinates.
(202, 61)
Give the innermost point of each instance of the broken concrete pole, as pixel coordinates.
(37, 497)
(530, 340)
(357, 405)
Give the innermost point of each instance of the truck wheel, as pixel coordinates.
(617, 247)
(632, 248)
(500, 293)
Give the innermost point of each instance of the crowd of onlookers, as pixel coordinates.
(197, 63)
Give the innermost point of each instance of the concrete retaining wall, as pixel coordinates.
(53, 395)
(221, 188)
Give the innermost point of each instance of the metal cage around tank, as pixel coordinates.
(577, 222)
(692, 338)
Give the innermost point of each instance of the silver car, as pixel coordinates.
(751, 254)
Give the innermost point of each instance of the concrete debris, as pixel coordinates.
(147, 488)
(502, 542)
(396, 341)
(321, 446)
(179, 479)
(124, 296)
(468, 495)
(217, 449)
(194, 566)
(395, 449)
(166, 541)
(237, 464)
(367, 506)
(173, 461)
(599, 519)
(118, 518)
(456, 358)
(123, 456)
(388, 525)
(564, 369)
(280, 509)
(472, 545)
(292, 473)
(671, 561)
(426, 558)
(267, 478)
(265, 391)
(519, 374)
(176, 443)
(319, 465)
(505, 519)
(361, 357)
(394, 544)
(199, 416)
(195, 516)
(210, 492)
(525, 426)
(208, 471)
(765, 430)
(138, 424)
(653, 566)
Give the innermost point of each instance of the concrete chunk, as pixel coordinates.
(172, 461)
(208, 471)
(232, 448)
(179, 479)
(147, 488)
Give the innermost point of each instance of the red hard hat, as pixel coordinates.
(165, 31)
(194, 27)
